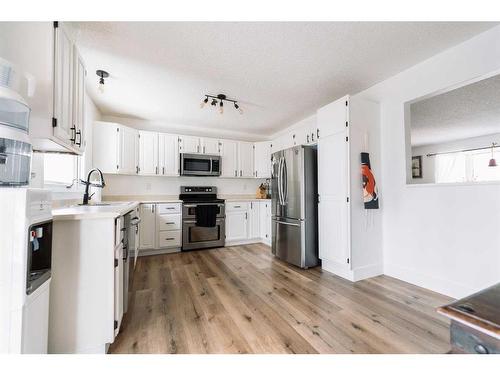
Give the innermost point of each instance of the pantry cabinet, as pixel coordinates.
(168, 154)
(148, 153)
(348, 245)
(262, 154)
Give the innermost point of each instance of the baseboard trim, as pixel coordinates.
(337, 269)
(370, 270)
(244, 242)
(436, 284)
(145, 253)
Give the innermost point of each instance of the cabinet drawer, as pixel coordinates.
(168, 208)
(237, 206)
(169, 222)
(169, 238)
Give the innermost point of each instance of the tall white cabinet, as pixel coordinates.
(349, 235)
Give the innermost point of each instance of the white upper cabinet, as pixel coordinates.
(63, 86)
(229, 158)
(190, 145)
(168, 146)
(128, 150)
(148, 153)
(333, 117)
(79, 74)
(246, 162)
(262, 159)
(210, 146)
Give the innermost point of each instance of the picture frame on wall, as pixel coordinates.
(416, 166)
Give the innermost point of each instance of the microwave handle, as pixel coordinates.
(211, 164)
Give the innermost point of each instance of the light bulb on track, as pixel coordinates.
(204, 102)
(221, 110)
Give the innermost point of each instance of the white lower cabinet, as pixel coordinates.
(244, 222)
(160, 229)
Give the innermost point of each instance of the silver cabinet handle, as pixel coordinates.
(156, 170)
(203, 149)
(237, 206)
(246, 215)
(163, 170)
(198, 148)
(170, 222)
(235, 173)
(153, 208)
(170, 238)
(241, 173)
(285, 223)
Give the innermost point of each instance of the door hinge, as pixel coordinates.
(116, 263)
(347, 139)
(117, 129)
(346, 103)
(115, 324)
(117, 166)
(56, 24)
(54, 122)
(346, 124)
(347, 260)
(347, 199)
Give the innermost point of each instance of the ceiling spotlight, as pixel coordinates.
(220, 99)
(101, 74)
(238, 108)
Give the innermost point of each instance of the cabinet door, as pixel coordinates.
(168, 145)
(210, 146)
(265, 221)
(254, 220)
(147, 226)
(190, 145)
(79, 100)
(63, 87)
(246, 168)
(236, 225)
(148, 153)
(333, 189)
(105, 146)
(263, 160)
(332, 118)
(128, 150)
(229, 158)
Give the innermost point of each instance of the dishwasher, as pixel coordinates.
(130, 249)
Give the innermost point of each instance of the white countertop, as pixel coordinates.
(75, 212)
(175, 198)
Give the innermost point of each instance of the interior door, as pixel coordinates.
(148, 153)
(169, 154)
(246, 168)
(229, 158)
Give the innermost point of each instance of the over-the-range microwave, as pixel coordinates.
(200, 165)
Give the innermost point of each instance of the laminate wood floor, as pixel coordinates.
(242, 300)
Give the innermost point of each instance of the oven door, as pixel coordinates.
(39, 255)
(195, 237)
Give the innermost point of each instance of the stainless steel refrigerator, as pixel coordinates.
(294, 193)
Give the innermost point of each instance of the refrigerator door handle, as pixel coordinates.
(285, 223)
(279, 182)
(285, 182)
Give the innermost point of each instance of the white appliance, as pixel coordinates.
(15, 147)
(25, 269)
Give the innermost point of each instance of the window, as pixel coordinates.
(60, 169)
(471, 166)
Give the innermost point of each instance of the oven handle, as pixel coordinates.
(194, 221)
(202, 204)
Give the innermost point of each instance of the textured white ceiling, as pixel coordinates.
(279, 72)
(469, 111)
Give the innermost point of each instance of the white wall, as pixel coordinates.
(445, 238)
(92, 114)
(143, 185)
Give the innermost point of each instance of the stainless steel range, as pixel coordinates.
(203, 218)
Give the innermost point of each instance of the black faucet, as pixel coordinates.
(87, 183)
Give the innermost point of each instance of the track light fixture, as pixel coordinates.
(101, 74)
(220, 99)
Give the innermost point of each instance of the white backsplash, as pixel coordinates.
(142, 185)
